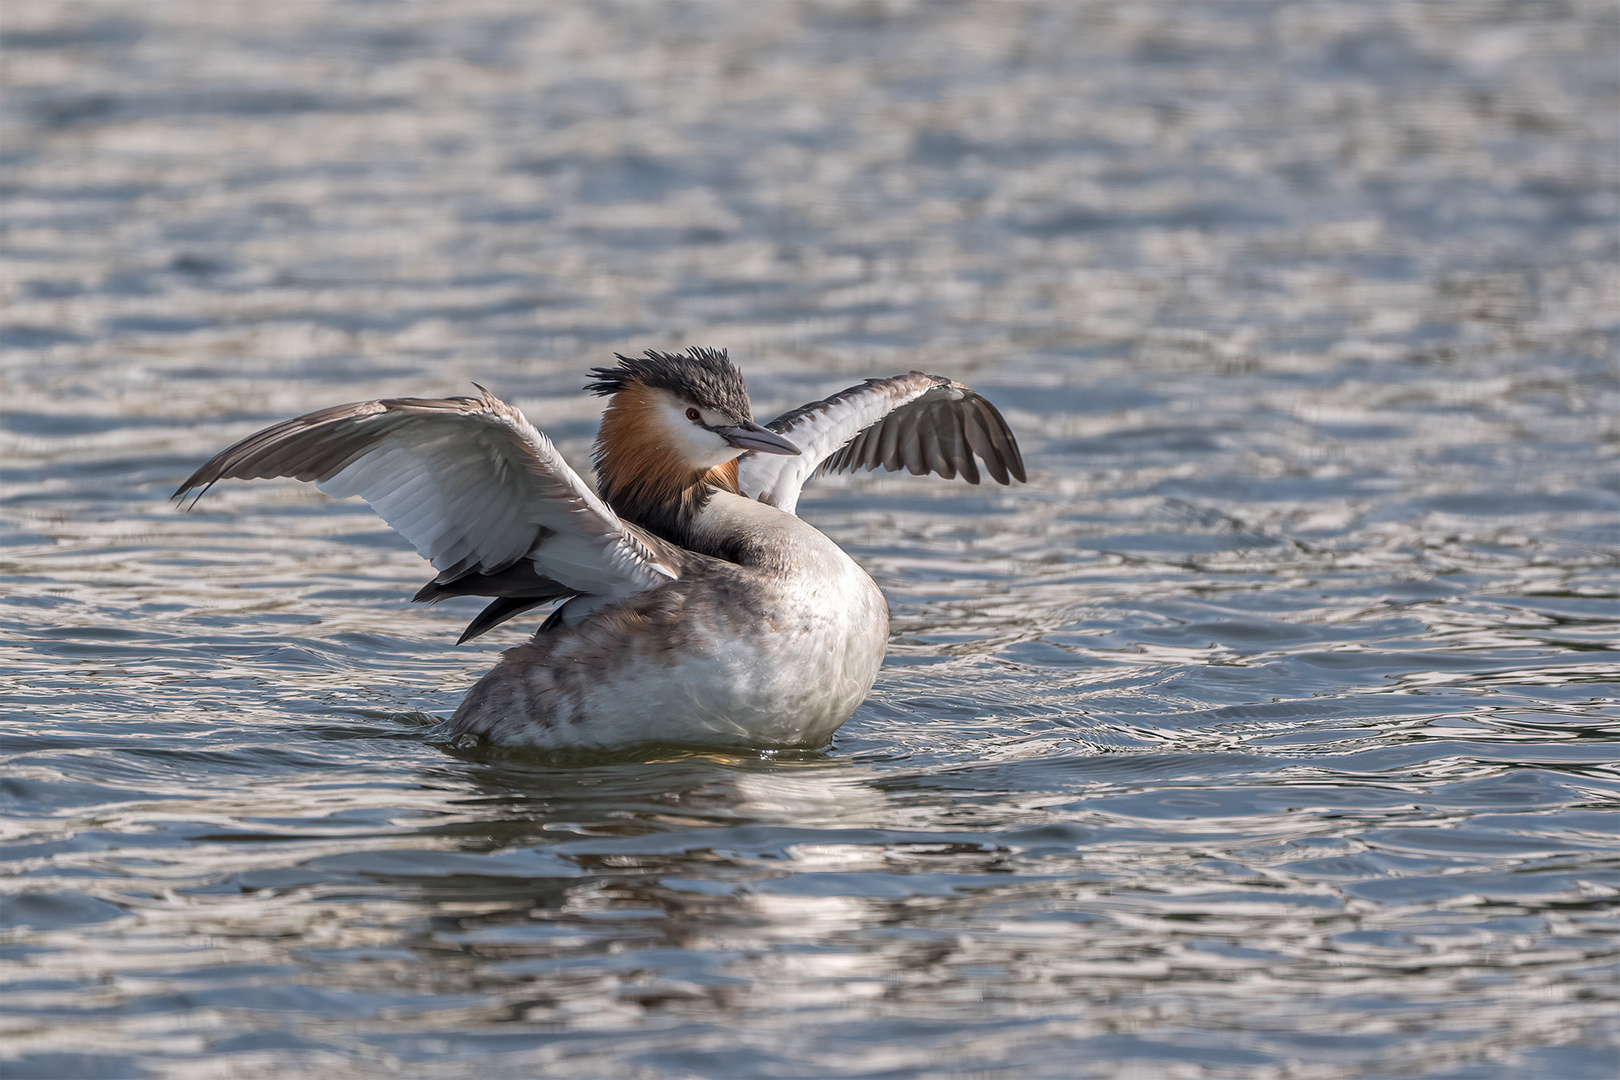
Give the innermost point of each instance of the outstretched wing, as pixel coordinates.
(924, 423)
(470, 483)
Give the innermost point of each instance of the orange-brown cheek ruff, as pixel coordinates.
(639, 472)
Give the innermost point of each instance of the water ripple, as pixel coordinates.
(1268, 731)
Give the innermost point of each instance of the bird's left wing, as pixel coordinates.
(922, 423)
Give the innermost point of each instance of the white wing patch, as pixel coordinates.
(467, 481)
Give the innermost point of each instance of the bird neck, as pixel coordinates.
(642, 476)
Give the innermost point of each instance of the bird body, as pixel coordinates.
(697, 608)
(775, 650)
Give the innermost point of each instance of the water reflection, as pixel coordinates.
(1268, 730)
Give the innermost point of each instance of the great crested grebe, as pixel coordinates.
(697, 608)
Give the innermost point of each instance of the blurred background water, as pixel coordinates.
(1268, 732)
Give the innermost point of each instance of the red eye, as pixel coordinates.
(693, 415)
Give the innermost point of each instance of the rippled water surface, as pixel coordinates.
(1269, 731)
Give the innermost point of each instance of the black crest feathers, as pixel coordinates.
(706, 377)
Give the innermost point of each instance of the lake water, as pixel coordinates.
(1269, 731)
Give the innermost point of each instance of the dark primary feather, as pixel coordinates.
(706, 377)
(516, 589)
(498, 611)
(940, 432)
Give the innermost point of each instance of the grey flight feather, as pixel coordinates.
(471, 484)
(918, 422)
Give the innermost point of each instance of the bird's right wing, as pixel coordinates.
(468, 481)
(918, 422)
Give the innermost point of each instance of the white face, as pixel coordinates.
(698, 446)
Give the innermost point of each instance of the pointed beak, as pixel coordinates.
(753, 437)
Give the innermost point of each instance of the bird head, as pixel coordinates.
(690, 409)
